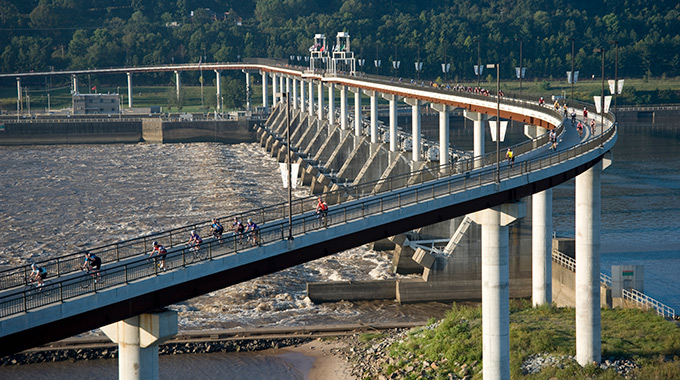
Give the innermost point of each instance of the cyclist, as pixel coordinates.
(195, 240)
(217, 230)
(585, 114)
(322, 210)
(573, 118)
(592, 126)
(161, 253)
(93, 264)
(254, 231)
(553, 139)
(37, 274)
(579, 128)
(238, 228)
(511, 157)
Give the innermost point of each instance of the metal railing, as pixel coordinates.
(350, 204)
(65, 264)
(646, 301)
(569, 263)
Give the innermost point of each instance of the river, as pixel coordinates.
(58, 199)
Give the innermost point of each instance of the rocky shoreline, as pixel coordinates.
(110, 351)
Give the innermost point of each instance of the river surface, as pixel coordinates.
(60, 199)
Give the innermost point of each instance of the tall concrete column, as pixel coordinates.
(218, 92)
(129, 82)
(320, 99)
(294, 97)
(283, 86)
(393, 99)
(19, 100)
(248, 105)
(415, 127)
(587, 292)
(444, 133)
(138, 339)
(343, 108)
(311, 97)
(74, 79)
(178, 86)
(357, 112)
(541, 248)
(275, 89)
(495, 287)
(374, 115)
(264, 89)
(302, 95)
(331, 103)
(478, 120)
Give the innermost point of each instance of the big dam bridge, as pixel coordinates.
(381, 181)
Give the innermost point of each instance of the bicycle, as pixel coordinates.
(323, 218)
(33, 288)
(197, 254)
(95, 277)
(254, 237)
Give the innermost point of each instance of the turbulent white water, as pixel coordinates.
(61, 199)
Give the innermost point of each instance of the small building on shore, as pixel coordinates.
(88, 104)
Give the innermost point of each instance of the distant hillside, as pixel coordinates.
(37, 35)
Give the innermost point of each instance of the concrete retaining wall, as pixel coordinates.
(336, 291)
(153, 130)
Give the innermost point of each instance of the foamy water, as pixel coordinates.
(61, 199)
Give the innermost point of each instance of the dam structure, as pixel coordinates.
(381, 182)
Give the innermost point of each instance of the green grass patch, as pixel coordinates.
(455, 343)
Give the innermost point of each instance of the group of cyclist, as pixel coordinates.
(93, 262)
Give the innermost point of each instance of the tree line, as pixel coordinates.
(78, 34)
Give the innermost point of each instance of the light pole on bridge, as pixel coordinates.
(498, 118)
(601, 50)
(616, 75)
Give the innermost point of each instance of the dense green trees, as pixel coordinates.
(96, 33)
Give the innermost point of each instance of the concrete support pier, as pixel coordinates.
(444, 132)
(343, 108)
(331, 104)
(311, 98)
(415, 127)
(478, 119)
(129, 83)
(320, 100)
(177, 87)
(19, 94)
(357, 112)
(374, 115)
(294, 98)
(588, 322)
(302, 95)
(541, 248)
(218, 84)
(138, 339)
(274, 89)
(393, 120)
(495, 294)
(264, 89)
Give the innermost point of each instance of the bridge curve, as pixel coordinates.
(134, 286)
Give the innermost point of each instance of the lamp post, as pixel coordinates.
(419, 65)
(479, 64)
(616, 75)
(498, 118)
(289, 166)
(601, 50)
(572, 68)
(521, 70)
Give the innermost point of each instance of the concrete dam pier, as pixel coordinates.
(444, 258)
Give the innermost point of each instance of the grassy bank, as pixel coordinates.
(452, 348)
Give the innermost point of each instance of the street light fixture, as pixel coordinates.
(572, 68)
(498, 118)
(601, 50)
(289, 167)
(616, 75)
(479, 65)
(520, 74)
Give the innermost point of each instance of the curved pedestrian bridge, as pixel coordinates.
(72, 302)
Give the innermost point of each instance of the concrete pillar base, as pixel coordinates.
(138, 339)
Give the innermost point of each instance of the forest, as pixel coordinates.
(42, 35)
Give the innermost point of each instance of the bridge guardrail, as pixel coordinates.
(60, 265)
(426, 185)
